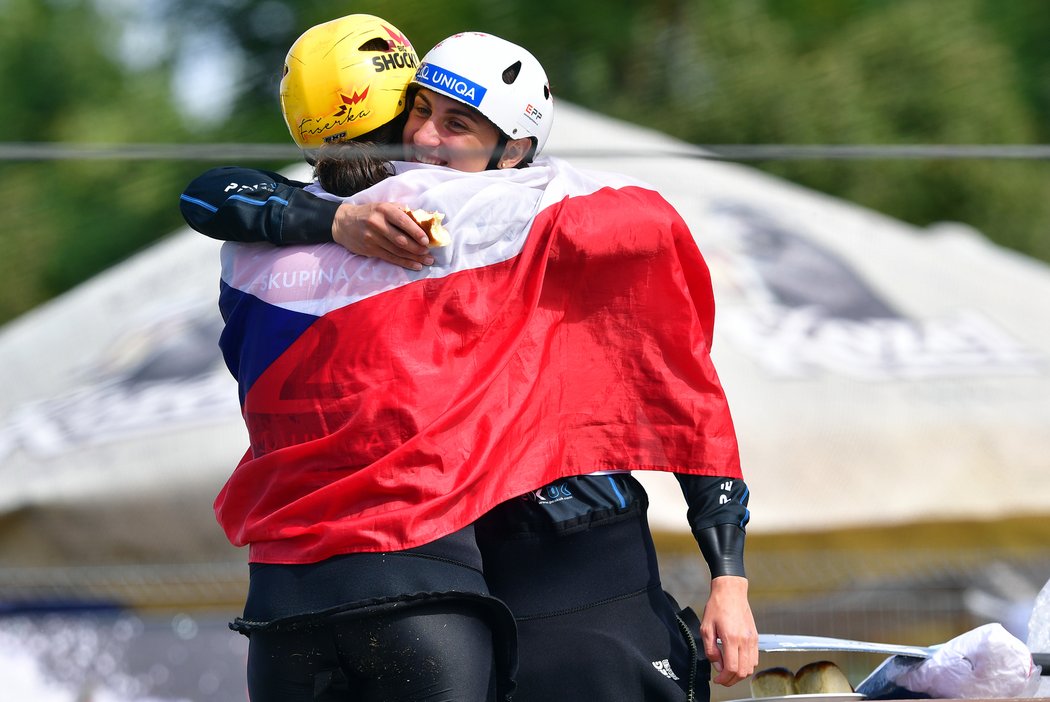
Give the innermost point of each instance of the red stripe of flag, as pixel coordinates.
(400, 418)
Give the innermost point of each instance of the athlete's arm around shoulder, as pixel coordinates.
(244, 204)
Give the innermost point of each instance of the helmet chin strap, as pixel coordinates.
(497, 152)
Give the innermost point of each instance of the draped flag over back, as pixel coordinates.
(565, 330)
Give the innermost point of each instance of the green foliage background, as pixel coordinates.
(708, 71)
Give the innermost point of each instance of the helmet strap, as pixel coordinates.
(497, 152)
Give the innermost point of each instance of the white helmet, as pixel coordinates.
(501, 80)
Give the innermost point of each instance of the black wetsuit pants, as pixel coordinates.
(426, 652)
(576, 564)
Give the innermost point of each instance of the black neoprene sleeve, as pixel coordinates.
(717, 516)
(243, 204)
(723, 548)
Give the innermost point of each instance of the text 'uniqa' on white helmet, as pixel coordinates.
(501, 80)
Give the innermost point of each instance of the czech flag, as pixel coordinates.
(566, 330)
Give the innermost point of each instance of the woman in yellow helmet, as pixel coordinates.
(450, 124)
(326, 621)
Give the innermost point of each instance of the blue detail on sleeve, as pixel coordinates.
(616, 490)
(199, 203)
(238, 198)
(258, 203)
(747, 512)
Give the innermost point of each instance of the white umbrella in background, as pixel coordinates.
(879, 374)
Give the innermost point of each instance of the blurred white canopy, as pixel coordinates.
(879, 374)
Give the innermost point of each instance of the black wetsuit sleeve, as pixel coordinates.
(243, 204)
(718, 516)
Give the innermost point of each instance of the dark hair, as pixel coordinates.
(349, 167)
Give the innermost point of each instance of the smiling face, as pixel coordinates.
(445, 132)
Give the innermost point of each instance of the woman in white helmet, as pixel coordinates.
(574, 559)
(501, 82)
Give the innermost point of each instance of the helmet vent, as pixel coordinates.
(375, 44)
(511, 73)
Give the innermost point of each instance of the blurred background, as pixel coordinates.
(867, 179)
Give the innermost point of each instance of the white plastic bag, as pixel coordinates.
(1039, 622)
(1039, 633)
(986, 662)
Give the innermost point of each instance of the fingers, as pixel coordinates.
(384, 231)
(382, 249)
(713, 651)
(728, 631)
(411, 236)
(730, 671)
(392, 230)
(394, 247)
(411, 264)
(737, 658)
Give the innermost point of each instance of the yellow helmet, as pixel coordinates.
(345, 78)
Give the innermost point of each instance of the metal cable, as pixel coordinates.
(45, 151)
